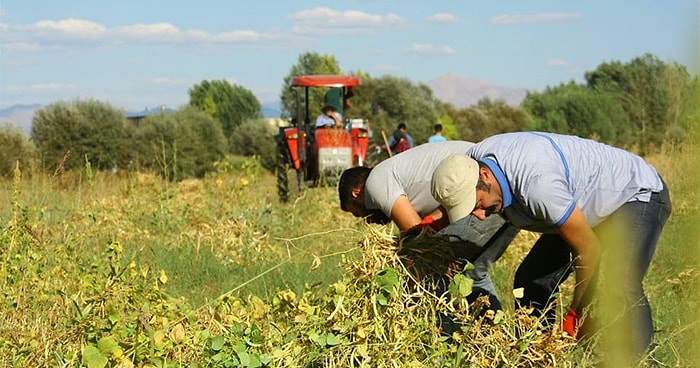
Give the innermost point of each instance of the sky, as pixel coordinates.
(144, 53)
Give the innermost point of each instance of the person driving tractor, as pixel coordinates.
(329, 118)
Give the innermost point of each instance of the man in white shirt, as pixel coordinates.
(329, 118)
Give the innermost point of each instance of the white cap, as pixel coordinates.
(454, 185)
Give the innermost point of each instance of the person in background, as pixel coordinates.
(329, 118)
(437, 134)
(575, 192)
(398, 190)
(399, 141)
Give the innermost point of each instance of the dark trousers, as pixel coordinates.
(550, 261)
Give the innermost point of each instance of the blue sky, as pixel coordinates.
(134, 54)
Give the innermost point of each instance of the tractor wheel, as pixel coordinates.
(282, 167)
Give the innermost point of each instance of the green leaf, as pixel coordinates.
(107, 345)
(332, 339)
(113, 316)
(460, 286)
(244, 359)
(216, 343)
(498, 318)
(382, 299)
(387, 279)
(92, 357)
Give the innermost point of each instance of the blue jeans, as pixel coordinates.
(481, 243)
(550, 261)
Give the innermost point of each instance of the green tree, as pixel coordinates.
(575, 109)
(488, 117)
(15, 148)
(87, 129)
(309, 63)
(180, 145)
(390, 100)
(230, 104)
(642, 87)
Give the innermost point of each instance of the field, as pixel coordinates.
(102, 269)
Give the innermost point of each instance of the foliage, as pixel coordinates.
(133, 270)
(180, 145)
(230, 104)
(487, 118)
(68, 134)
(255, 138)
(575, 109)
(448, 128)
(15, 149)
(653, 94)
(388, 101)
(308, 63)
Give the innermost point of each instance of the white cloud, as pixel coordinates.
(558, 63)
(68, 33)
(509, 19)
(564, 65)
(18, 63)
(46, 87)
(443, 18)
(324, 21)
(428, 49)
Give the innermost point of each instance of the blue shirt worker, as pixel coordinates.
(437, 134)
(571, 190)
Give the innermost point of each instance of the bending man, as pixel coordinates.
(398, 190)
(567, 188)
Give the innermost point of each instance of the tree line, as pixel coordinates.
(639, 105)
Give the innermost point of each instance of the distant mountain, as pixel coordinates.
(20, 116)
(463, 92)
(271, 110)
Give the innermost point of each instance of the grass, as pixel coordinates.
(166, 269)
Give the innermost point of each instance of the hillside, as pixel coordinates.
(463, 92)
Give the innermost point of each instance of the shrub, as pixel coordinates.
(255, 138)
(15, 148)
(179, 145)
(90, 130)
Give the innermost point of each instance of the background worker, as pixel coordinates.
(398, 190)
(569, 189)
(399, 140)
(437, 134)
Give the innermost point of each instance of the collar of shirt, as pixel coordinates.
(506, 193)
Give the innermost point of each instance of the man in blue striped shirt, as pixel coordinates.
(569, 189)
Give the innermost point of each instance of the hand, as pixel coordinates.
(431, 222)
(570, 322)
(427, 221)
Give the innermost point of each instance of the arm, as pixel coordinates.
(335, 118)
(403, 214)
(584, 242)
(406, 218)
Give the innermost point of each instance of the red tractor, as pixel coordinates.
(319, 155)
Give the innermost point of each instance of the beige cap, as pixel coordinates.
(454, 185)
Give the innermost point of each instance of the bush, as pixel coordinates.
(15, 147)
(179, 145)
(71, 133)
(255, 138)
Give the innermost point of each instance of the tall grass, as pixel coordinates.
(95, 257)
